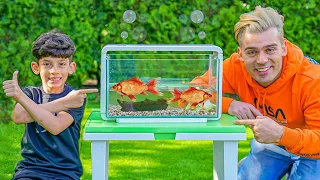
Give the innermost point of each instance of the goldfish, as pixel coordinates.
(204, 80)
(135, 86)
(191, 96)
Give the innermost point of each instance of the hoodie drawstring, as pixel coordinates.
(263, 102)
(258, 101)
(263, 111)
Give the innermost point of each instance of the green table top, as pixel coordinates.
(96, 124)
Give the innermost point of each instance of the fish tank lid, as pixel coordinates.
(161, 47)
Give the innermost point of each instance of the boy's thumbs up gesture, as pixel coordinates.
(11, 87)
(74, 99)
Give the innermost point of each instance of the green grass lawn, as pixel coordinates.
(129, 159)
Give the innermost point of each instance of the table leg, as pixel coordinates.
(225, 160)
(100, 159)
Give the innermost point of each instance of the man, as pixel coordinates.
(279, 90)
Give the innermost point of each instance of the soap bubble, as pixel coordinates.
(139, 33)
(187, 34)
(183, 18)
(129, 16)
(143, 18)
(196, 16)
(202, 35)
(124, 34)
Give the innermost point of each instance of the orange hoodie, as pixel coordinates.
(293, 100)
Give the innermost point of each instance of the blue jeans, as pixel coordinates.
(271, 162)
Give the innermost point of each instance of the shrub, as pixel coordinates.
(93, 24)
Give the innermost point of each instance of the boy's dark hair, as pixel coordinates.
(55, 44)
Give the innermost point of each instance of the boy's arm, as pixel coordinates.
(73, 100)
(53, 124)
(21, 116)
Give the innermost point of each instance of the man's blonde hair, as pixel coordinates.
(258, 21)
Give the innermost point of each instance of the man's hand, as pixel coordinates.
(243, 110)
(265, 129)
(11, 87)
(76, 98)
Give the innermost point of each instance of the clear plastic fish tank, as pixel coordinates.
(161, 83)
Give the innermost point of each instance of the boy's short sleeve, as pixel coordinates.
(77, 113)
(27, 92)
(33, 93)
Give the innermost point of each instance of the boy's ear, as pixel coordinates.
(35, 68)
(72, 68)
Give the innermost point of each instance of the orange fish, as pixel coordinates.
(135, 86)
(191, 96)
(204, 80)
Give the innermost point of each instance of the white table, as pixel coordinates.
(223, 132)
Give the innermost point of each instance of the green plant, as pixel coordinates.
(92, 24)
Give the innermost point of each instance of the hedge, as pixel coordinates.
(94, 23)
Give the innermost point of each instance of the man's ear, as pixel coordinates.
(35, 68)
(72, 68)
(240, 54)
(284, 49)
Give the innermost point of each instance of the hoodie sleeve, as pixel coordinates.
(203, 81)
(226, 85)
(306, 141)
(227, 80)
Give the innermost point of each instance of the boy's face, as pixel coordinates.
(54, 72)
(262, 55)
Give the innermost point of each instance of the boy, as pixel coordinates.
(51, 113)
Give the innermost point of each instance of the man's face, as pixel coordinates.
(262, 55)
(54, 73)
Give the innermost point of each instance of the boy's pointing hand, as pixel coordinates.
(76, 98)
(11, 87)
(85, 91)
